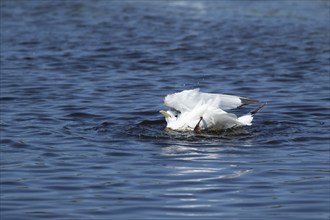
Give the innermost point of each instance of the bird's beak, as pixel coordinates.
(165, 114)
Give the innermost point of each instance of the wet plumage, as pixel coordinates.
(192, 110)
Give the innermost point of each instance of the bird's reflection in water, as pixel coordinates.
(200, 163)
(195, 170)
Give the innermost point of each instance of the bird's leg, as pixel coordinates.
(197, 129)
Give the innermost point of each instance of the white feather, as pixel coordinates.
(188, 99)
(190, 105)
(246, 119)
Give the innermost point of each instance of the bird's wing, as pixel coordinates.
(189, 99)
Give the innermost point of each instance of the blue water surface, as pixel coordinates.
(82, 83)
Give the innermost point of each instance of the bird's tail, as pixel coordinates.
(247, 119)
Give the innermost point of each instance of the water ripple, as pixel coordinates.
(81, 89)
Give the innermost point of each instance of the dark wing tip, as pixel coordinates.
(257, 109)
(246, 101)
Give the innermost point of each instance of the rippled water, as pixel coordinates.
(82, 83)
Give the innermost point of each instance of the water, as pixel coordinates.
(82, 83)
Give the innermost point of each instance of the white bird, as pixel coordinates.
(192, 110)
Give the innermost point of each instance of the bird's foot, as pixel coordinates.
(197, 129)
